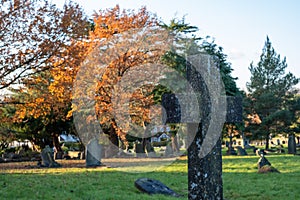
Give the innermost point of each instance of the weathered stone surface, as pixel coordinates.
(172, 107)
(47, 158)
(292, 144)
(204, 143)
(204, 174)
(241, 151)
(151, 186)
(262, 162)
(204, 162)
(93, 154)
(264, 166)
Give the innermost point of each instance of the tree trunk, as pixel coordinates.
(175, 145)
(113, 137)
(267, 141)
(144, 143)
(56, 143)
(58, 152)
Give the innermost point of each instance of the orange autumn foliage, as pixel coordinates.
(123, 34)
(134, 39)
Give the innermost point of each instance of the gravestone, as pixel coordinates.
(264, 166)
(241, 151)
(47, 158)
(152, 186)
(93, 154)
(292, 144)
(204, 150)
(139, 149)
(262, 162)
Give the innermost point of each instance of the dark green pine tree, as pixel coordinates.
(269, 88)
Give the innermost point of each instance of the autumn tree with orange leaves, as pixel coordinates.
(42, 55)
(34, 34)
(120, 41)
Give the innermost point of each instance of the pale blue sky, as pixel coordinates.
(240, 27)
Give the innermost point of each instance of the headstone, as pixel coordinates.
(262, 162)
(47, 158)
(231, 151)
(151, 186)
(241, 151)
(264, 166)
(205, 168)
(292, 144)
(139, 149)
(93, 154)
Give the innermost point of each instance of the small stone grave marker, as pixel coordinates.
(292, 144)
(47, 158)
(264, 166)
(241, 151)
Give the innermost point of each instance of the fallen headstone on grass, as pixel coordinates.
(151, 186)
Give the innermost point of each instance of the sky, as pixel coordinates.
(240, 27)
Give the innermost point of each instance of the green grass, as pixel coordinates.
(240, 180)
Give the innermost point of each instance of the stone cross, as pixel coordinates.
(204, 151)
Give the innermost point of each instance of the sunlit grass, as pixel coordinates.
(240, 180)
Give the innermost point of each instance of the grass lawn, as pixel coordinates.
(240, 179)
